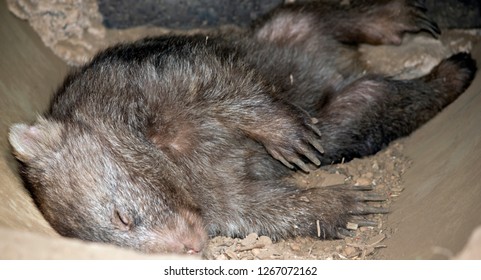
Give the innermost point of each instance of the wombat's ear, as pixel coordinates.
(31, 141)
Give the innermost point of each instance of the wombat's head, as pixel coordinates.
(90, 187)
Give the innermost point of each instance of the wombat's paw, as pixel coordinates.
(455, 73)
(331, 212)
(360, 197)
(418, 20)
(295, 142)
(390, 21)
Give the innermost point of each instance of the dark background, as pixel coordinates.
(186, 14)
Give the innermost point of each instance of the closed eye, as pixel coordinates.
(122, 220)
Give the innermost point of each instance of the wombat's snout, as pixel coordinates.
(183, 234)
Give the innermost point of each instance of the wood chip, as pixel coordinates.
(352, 226)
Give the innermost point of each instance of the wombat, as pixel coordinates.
(161, 143)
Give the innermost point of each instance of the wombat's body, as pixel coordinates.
(157, 144)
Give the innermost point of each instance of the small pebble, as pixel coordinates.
(349, 251)
(397, 189)
(265, 240)
(352, 226)
(231, 255)
(222, 257)
(363, 182)
(249, 240)
(333, 179)
(295, 247)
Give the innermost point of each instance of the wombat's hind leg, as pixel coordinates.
(384, 22)
(372, 111)
(373, 22)
(452, 76)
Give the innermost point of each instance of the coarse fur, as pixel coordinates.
(158, 144)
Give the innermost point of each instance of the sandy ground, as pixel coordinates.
(430, 179)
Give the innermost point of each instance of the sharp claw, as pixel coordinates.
(286, 163)
(371, 197)
(364, 210)
(419, 5)
(431, 27)
(343, 233)
(316, 144)
(301, 165)
(310, 155)
(281, 159)
(313, 141)
(347, 187)
(314, 128)
(423, 22)
(368, 223)
(364, 194)
(365, 223)
(362, 188)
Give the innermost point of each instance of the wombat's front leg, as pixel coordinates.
(372, 111)
(287, 132)
(280, 211)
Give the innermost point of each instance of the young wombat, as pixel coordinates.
(160, 143)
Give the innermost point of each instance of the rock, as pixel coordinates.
(71, 28)
(352, 226)
(249, 240)
(363, 182)
(221, 257)
(231, 255)
(255, 252)
(348, 251)
(294, 247)
(265, 240)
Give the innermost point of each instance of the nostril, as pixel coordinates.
(191, 251)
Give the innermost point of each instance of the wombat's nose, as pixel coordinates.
(193, 247)
(192, 251)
